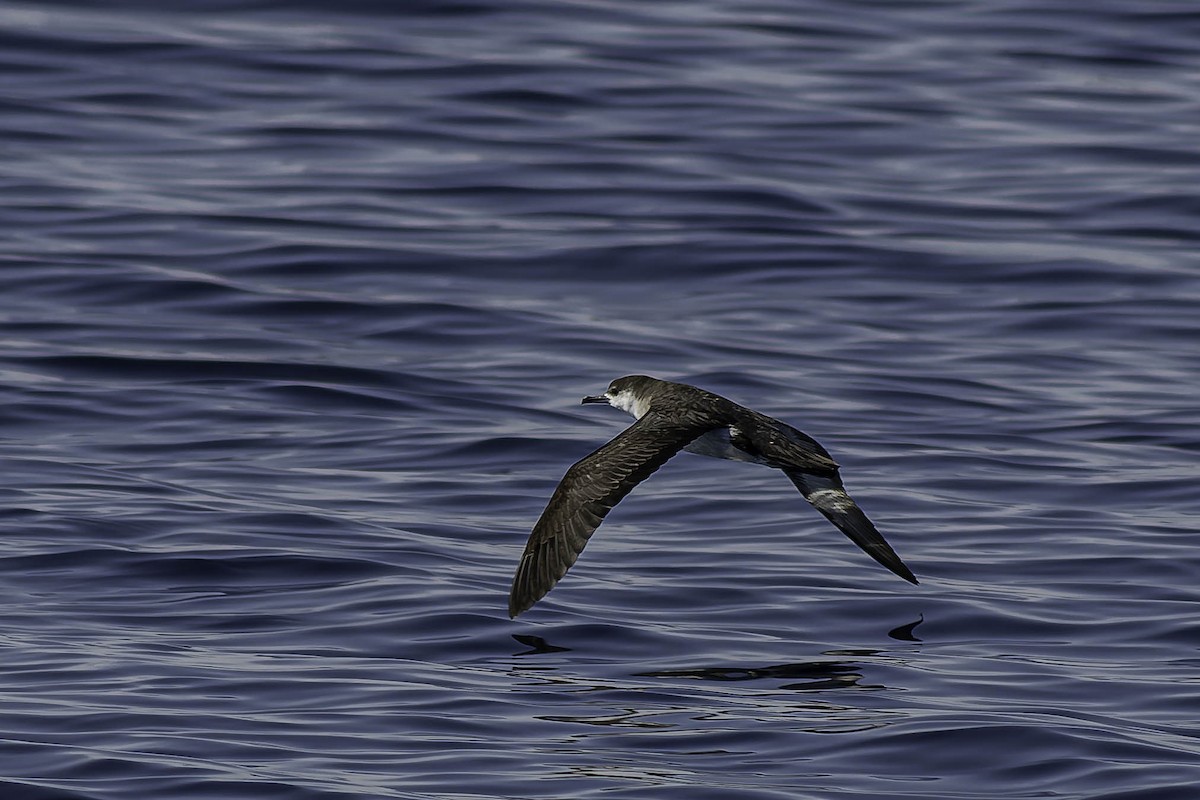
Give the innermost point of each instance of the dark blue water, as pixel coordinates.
(299, 299)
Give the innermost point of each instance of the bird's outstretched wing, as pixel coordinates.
(828, 496)
(587, 492)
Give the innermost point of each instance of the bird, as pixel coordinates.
(670, 417)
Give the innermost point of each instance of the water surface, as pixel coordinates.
(299, 302)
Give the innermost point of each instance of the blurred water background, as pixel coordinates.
(298, 300)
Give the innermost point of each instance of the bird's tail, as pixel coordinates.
(828, 496)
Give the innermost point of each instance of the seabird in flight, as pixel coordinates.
(671, 417)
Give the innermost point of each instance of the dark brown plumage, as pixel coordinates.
(673, 417)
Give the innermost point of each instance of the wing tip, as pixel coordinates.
(883, 554)
(522, 595)
(516, 608)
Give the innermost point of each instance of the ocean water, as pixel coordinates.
(298, 300)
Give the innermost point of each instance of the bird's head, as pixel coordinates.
(631, 394)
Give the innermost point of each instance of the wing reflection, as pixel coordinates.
(813, 675)
(905, 632)
(536, 645)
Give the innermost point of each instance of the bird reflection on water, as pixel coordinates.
(536, 645)
(804, 675)
(814, 675)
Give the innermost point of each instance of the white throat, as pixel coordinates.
(629, 403)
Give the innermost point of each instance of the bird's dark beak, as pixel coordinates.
(599, 398)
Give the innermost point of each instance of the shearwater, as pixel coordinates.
(671, 417)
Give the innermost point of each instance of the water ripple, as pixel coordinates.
(300, 303)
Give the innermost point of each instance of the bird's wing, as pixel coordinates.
(587, 492)
(828, 496)
(781, 445)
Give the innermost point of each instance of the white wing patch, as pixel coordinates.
(835, 499)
